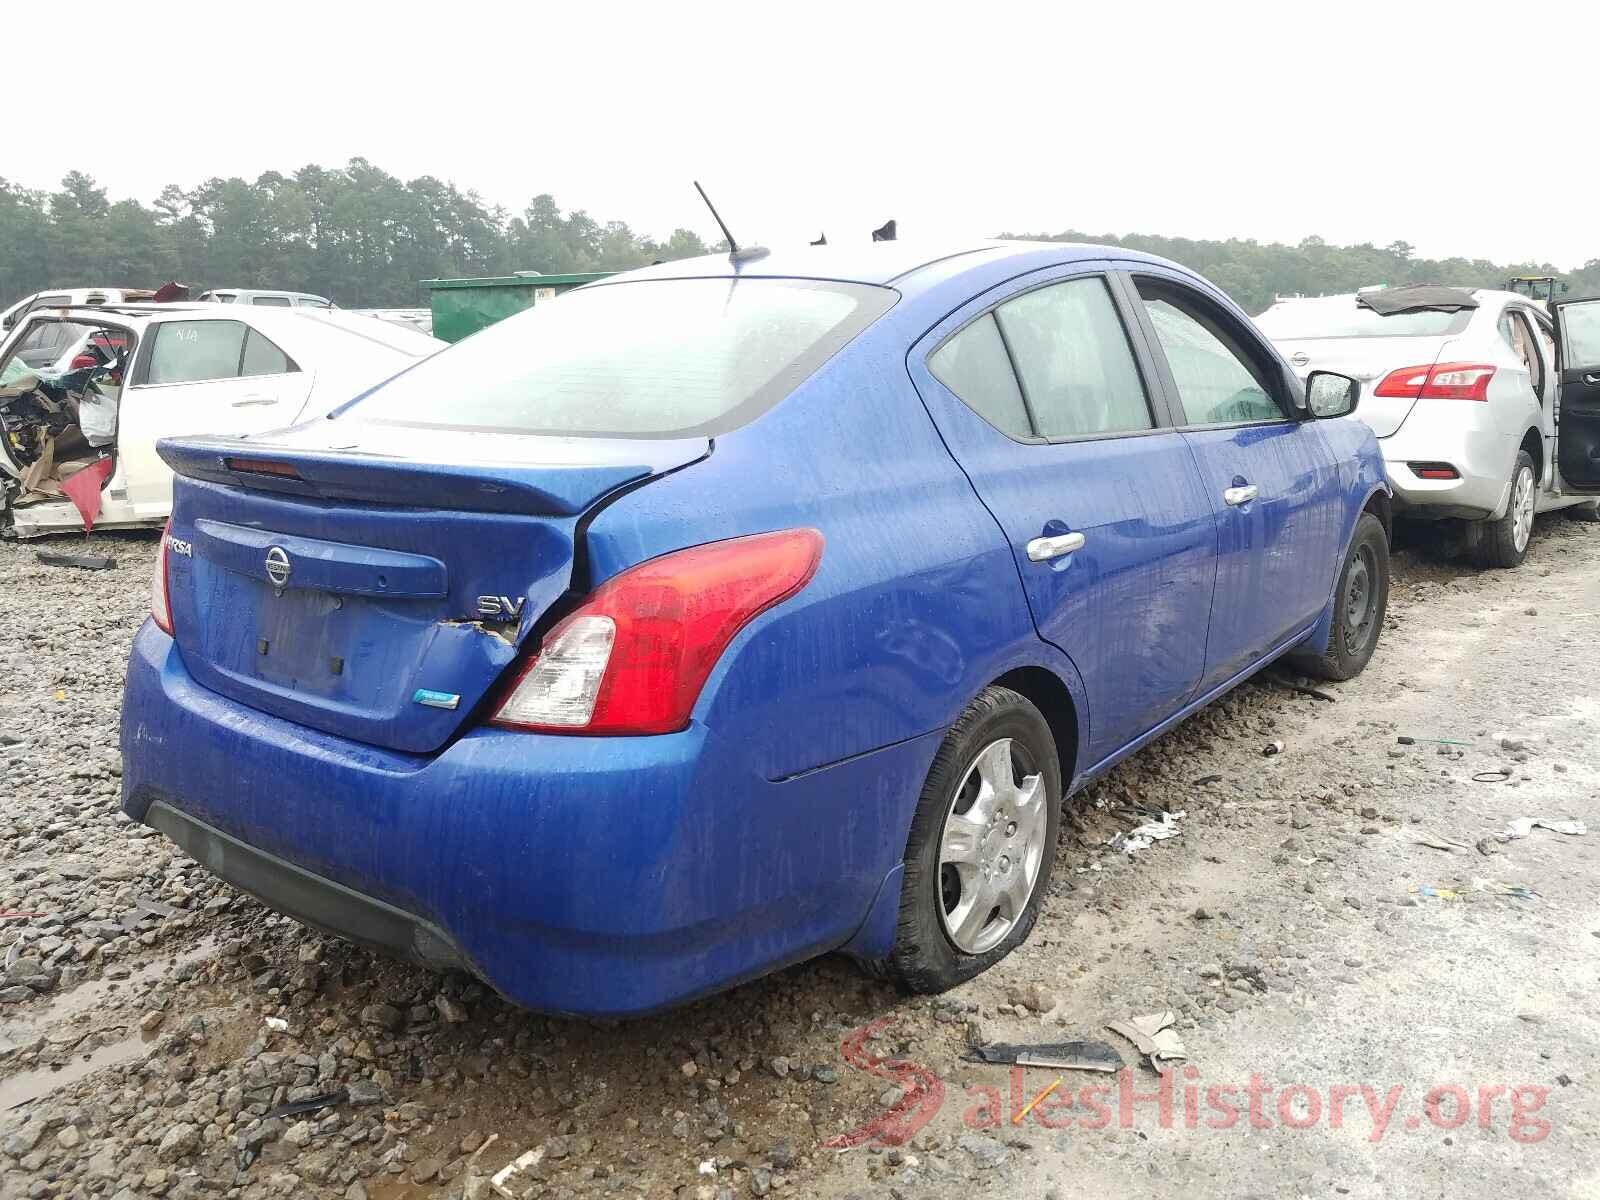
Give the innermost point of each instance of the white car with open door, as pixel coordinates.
(1462, 389)
(139, 373)
(1578, 375)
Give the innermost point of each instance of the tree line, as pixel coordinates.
(365, 238)
(356, 234)
(1255, 273)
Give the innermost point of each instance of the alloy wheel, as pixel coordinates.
(991, 847)
(1522, 504)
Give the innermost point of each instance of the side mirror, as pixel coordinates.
(1331, 395)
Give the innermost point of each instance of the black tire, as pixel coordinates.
(1496, 546)
(926, 958)
(1359, 603)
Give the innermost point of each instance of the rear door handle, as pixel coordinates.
(1043, 549)
(1239, 495)
(1592, 379)
(254, 401)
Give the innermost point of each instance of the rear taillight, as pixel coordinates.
(83, 360)
(634, 656)
(1440, 381)
(160, 601)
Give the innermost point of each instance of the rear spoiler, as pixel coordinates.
(542, 489)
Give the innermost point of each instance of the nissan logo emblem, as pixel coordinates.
(1300, 358)
(278, 567)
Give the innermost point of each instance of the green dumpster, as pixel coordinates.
(463, 306)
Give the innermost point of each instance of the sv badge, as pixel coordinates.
(501, 608)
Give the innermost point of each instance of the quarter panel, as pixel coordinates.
(916, 604)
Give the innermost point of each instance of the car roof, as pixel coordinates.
(867, 262)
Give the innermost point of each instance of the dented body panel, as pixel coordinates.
(620, 875)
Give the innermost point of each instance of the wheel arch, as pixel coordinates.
(1047, 692)
(1533, 443)
(1381, 506)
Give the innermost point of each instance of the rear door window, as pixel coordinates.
(193, 351)
(647, 358)
(271, 301)
(262, 357)
(975, 366)
(1077, 370)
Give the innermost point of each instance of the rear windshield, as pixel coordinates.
(1306, 321)
(648, 358)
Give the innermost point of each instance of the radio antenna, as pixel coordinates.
(734, 252)
(733, 246)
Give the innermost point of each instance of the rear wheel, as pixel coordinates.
(982, 844)
(1359, 602)
(1503, 542)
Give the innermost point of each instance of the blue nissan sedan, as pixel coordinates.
(739, 610)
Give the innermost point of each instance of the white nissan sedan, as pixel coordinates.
(139, 373)
(1464, 391)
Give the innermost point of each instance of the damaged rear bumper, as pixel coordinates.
(596, 876)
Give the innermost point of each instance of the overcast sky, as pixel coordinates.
(1458, 127)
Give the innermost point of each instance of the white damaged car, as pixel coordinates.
(78, 436)
(1480, 400)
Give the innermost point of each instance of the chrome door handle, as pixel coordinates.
(1239, 495)
(1592, 379)
(254, 401)
(1043, 549)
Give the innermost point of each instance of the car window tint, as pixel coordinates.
(1215, 385)
(52, 302)
(1072, 354)
(974, 365)
(271, 301)
(190, 351)
(313, 302)
(261, 357)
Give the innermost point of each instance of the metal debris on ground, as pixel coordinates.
(1205, 779)
(1272, 748)
(1521, 827)
(1153, 1036)
(1067, 1056)
(293, 1108)
(1158, 830)
(1437, 842)
(1480, 887)
(1497, 775)
(1302, 690)
(1405, 740)
(87, 562)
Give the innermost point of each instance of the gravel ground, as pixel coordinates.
(152, 1020)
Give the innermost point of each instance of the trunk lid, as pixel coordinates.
(379, 586)
(1368, 360)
